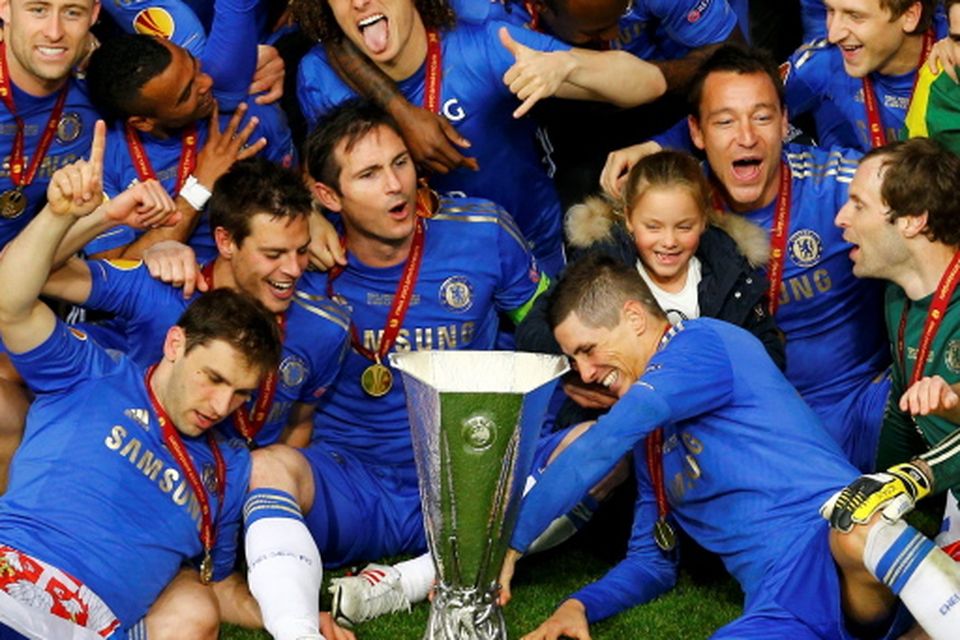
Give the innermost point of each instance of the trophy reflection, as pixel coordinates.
(475, 419)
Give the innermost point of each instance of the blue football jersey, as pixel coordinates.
(314, 342)
(475, 100)
(71, 142)
(742, 485)
(119, 171)
(454, 306)
(93, 489)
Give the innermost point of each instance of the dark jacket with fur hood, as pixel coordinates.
(731, 288)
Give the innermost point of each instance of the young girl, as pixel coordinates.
(696, 261)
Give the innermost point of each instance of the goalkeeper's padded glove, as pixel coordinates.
(893, 493)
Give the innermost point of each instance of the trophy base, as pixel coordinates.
(465, 613)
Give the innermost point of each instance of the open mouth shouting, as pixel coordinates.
(747, 170)
(375, 33)
(282, 290)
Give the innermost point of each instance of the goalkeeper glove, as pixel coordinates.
(893, 493)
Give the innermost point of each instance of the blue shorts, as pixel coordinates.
(800, 599)
(853, 416)
(363, 512)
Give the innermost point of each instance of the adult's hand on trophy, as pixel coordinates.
(506, 575)
(568, 621)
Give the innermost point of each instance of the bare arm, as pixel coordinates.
(299, 429)
(432, 140)
(679, 71)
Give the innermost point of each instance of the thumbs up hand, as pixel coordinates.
(535, 74)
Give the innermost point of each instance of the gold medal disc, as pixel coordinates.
(664, 535)
(12, 203)
(376, 380)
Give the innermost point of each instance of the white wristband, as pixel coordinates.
(195, 193)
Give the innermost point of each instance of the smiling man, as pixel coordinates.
(859, 82)
(42, 42)
(904, 221)
(258, 212)
(836, 354)
(711, 459)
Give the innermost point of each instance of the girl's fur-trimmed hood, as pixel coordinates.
(593, 220)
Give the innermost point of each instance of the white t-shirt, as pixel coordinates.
(683, 305)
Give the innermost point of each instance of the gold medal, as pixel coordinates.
(12, 203)
(376, 380)
(206, 569)
(664, 535)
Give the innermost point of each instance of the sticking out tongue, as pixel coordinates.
(375, 36)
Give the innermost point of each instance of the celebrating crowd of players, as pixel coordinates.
(757, 307)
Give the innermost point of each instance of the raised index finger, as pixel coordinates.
(98, 146)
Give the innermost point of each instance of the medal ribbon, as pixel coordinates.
(49, 130)
(534, 11)
(878, 137)
(431, 90)
(249, 423)
(654, 446)
(188, 156)
(174, 443)
(778, 235)
(938, 307)
(778, 239)
(404, 292)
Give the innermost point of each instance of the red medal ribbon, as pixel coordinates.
(778, 239)
(174, 443)
(431, 89)
(188, 156)
(938, 307)
(49, 130)
(654, 445)
(404, 292)
(534, 11)
(878, 137)
(250, 423)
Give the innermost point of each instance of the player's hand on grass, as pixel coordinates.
(588, 396)
(892, 493)
(946, 54)
(506, 575)
(568, 621)
(268, 77)
(535, 74)
(223, 148)
(330, 630)
(619, 163)
(432, 140)
(930, 395)
(326, 249)
(175, 263)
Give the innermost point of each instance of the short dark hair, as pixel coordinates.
(119, 69)
(920, 175)
(317, 21)
(237, 319)
(254, 186)
(927, 8)
(351, 121)
(732, 58)
(596, 287)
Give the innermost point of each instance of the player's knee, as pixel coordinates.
(186, 610)
(281, 467)
(848, 548)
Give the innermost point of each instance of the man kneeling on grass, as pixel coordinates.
(737, 460)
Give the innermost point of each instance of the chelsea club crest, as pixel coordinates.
(456, 294)
(69, 128)
(292, 371)
(805, 248)
(951, 356)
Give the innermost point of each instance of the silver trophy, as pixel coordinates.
(475, 417)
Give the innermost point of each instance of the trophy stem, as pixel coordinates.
(465, 613)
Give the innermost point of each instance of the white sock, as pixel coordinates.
(926, 579)
(416, 577)
(284, 570)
